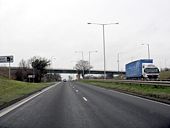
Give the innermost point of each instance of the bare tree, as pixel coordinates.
(83, 67)
(22, 71)
(24, 64)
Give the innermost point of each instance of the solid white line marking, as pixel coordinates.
(141, 98)
(16, 105)
(73, 87)
(85, 99)
(134, 96)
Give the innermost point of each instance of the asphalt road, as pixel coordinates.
(75, 105)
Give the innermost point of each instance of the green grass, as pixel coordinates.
(154, 91)
(11, 89)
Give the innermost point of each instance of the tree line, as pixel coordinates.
(36, 68)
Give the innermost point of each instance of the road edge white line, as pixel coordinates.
(139, 97)
(23, 101)
(142, 98)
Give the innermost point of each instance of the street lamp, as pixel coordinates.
(104, 53)
(89, 58)
(118, 61)
(81, 54)
(148, 50)
(52, 61)
(52, 57)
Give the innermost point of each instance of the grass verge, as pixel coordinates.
(155, 92)
(11, 90)
(165, 75)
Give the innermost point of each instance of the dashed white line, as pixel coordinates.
(85, 99)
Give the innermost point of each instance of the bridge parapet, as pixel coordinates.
(73, 71)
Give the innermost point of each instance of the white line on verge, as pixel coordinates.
(85, 99)
(161, 103)
(141, 98)
(16, 105)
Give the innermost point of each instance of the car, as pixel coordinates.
(64, 80)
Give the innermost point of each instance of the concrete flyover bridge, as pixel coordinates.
(74, 71)
(71, 71)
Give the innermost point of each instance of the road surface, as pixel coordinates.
(77, 105)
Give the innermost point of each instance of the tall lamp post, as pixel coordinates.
(82, 58)
(51, 66)
(52, 61)
(89, 58)
(118, 61)
(148, 50)
(104, 53)
(81, 54)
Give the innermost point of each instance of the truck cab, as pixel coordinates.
(150, 71)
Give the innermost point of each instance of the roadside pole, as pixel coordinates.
(9, 70)
(7, 59)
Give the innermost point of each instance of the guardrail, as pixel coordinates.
(156, 83)
(160, 83)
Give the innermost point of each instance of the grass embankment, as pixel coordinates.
(11, 90)
(165, 75)
(151, 91)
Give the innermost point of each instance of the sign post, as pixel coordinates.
(9, 70)
(31, 77)
(7, 59)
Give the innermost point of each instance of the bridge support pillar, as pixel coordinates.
(109, 75)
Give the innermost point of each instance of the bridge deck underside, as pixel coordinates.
(86, 72)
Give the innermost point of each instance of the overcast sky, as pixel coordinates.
(57, 28)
